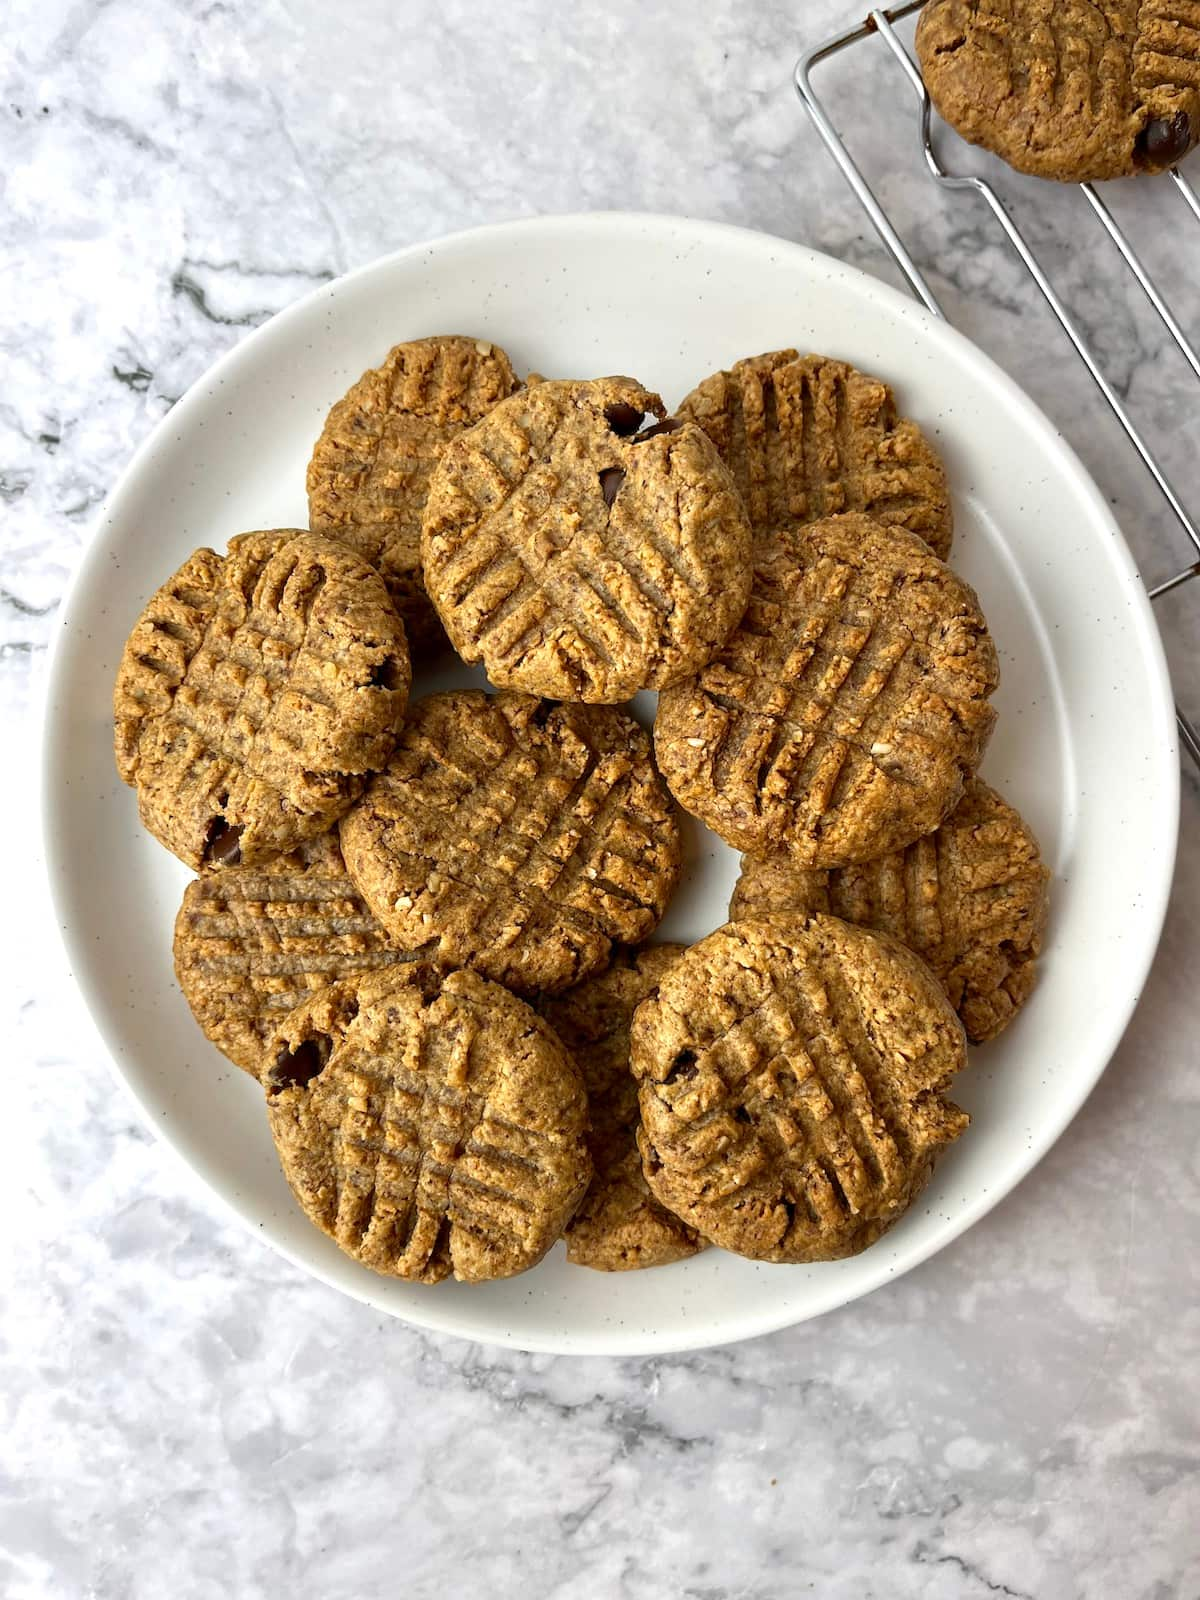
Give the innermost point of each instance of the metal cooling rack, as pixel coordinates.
(879, 26)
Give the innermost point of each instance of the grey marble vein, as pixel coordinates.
(181, 1412)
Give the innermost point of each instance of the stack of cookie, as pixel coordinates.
(423, 926)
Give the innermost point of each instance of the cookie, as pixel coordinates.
(370, 469)
(516, 837)
(791, 1074)
(428, 1123)
(1077, 90)
(619, 1224)
(845, 713)
(256, 693)
(807, 437)
(579, 555)
(252, 942)
(970, 899)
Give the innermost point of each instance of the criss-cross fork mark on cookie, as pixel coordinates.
(256, 691)
(777, 1095)
(578, 560)
(251, 943)
(799, 701)
(808, 437)
(969, 898)
(523, 839)
(369, 475)
(1078, 90)
(845, 708)
(420, 1145)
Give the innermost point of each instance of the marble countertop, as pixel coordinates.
(182, 1412)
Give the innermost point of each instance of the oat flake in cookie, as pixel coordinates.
(806, 437)
(619, 1225)
(429, 1123)
(370, 469)
(516, 836)
(792, 1074)
(970, 899)
(255, 694)
(845, 713)
(1074, 90)
(580, 555)
(252, 942)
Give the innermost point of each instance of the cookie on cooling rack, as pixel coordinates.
(429, 1123)
(370, 469)
(255, 694)
(846, 711)
(619, 1225)
(806, 437)
(1077, 90)
(252, 942)
(970, 899)
(517, 837)
(792, 1074)
(580, 555)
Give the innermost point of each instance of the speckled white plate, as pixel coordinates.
(1085, 744)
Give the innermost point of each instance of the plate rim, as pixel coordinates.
(616, 1342)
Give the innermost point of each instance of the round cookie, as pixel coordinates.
(619, 1224)
(844, 714)
(970, 899)
(791, 1075)
(255, 694)
(429, 1123)
(1077, 90)
(807, 437)
(370, 469)
(517, 837)
(251, 942)
(579, 555)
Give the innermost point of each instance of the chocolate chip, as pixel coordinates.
(667, 425)
(386, 674)
(611, 480)
(222, 844)
(622, 418)
(683, 1066)
(294, 1069)
(1164, 140)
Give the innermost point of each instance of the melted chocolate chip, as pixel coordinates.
(683, 1066)
(386, 674)
(294, 1069)
(667, 425)
(611, 480)
(623, 419)
(1164, 140)
(222, 844)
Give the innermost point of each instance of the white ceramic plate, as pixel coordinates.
(1085, 744)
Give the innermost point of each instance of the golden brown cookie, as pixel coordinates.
(255, 694)
(970, 899)
(1074, 90)
(806, 437)
(791, 1076)
(619, 1224)
(848, 708)
(517, 837)
(370, 469)
(251, 942)
(428, 1123)
(582, 556)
